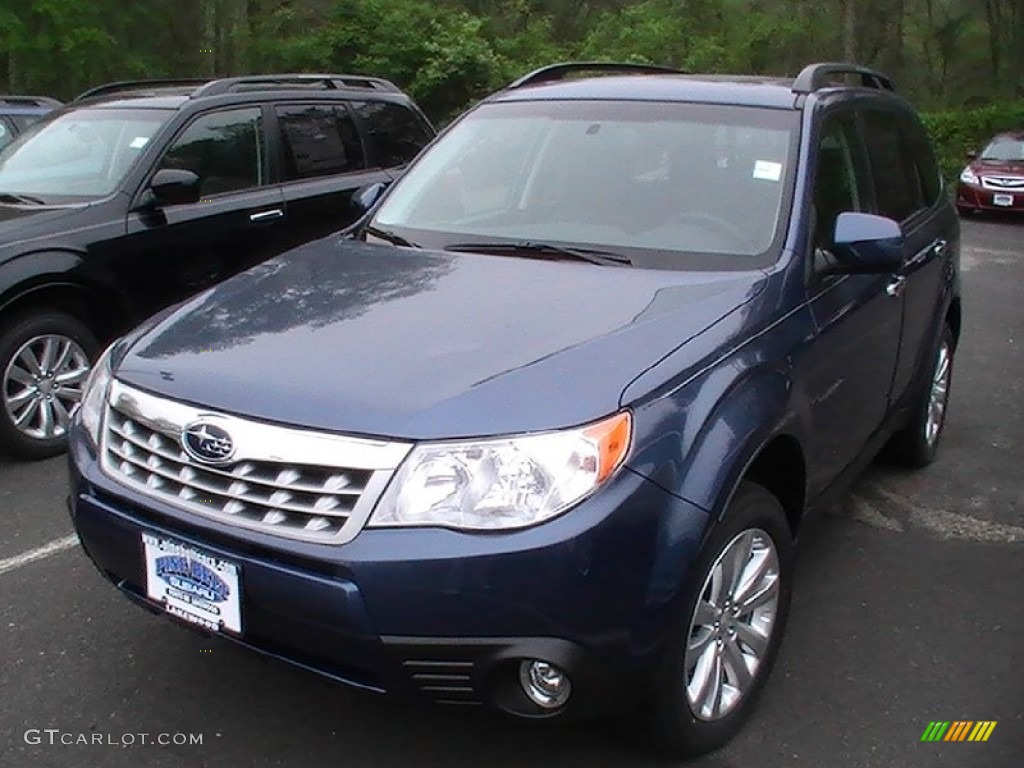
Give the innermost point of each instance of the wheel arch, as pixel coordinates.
(51, 280)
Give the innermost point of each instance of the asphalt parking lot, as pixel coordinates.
(908, 609)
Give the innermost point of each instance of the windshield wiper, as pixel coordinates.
(392, 237)
(8, 197)
(527, 247)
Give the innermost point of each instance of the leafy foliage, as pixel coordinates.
(955, 133)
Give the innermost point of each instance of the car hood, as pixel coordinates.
(989, 167)
(402, 343)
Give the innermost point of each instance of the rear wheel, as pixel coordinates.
(735, 614)
(45, 359)
(917, 443)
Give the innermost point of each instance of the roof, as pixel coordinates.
(626, 81)
(710, 89)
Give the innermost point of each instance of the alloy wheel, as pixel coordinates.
(939, 395)
(42, 383)
(732, 624)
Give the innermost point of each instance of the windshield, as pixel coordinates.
(78, 156)
(668, 184)
(1004, 149)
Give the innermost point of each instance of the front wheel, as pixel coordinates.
(45, 359)
(735, 614)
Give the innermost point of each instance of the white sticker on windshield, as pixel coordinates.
(139, 142)
(769, 171)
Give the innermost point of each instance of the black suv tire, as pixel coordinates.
(53, 388)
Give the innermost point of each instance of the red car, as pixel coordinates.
(994, 179)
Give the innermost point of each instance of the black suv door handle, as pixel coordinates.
(896, 285)
(256, 218)
(939, 248)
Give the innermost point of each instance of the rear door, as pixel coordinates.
(323, 163)
(176, 250)
(908, 188)
(858, 323)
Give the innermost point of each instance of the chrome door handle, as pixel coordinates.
(939, 248)
(896, 285)
(277, 213)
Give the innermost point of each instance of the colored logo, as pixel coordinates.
(192, 577)
(207, 442)
(959, 730)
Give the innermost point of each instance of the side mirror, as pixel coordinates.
(367, 196)
(866, 244)
(173, 186)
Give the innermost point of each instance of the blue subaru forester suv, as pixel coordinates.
(539, 433)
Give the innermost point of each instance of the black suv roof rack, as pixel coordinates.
(821, 75)
(30, 101)
(555, 72)
(328, 82)
(123, 86)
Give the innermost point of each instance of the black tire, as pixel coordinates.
(671, 722)
(15, 332)
(913, 446)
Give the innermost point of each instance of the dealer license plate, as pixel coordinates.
(193, 585)
(1002, 200)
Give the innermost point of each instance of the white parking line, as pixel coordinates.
(39, 553)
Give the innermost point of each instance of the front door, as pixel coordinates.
(857, 318)
(174, 251)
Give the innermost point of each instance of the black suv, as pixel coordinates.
(554, 459)
(17, 113)
(141, 193)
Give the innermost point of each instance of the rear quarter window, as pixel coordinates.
(396, 132)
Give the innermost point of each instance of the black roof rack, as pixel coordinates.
(815, 76)
(31, 101)
(123, 86)
(555, 72)
(328, 82)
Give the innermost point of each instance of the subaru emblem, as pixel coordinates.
(207, 443)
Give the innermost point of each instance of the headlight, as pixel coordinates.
(503, 483)
(94, 396)
(968, 176)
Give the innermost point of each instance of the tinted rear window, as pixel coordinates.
(396, 132)
(319, 140)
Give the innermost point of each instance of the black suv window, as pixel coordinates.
(225, 149)
(840, 183)
(398, 133)
(319, 140)
(897, 183)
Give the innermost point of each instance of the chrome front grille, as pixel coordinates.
(283, 481)
(1009, 183)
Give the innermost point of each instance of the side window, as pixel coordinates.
(319, 140)
(920, 147)
(22, 122)
(397, 133)
(225, 149)
(897, 184)
(6, 134)
(840, 180)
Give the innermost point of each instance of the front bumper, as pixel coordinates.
(973, 198)
(433, 614)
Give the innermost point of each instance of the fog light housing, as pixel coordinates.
(545, 685)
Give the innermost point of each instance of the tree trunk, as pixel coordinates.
(850, 30)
